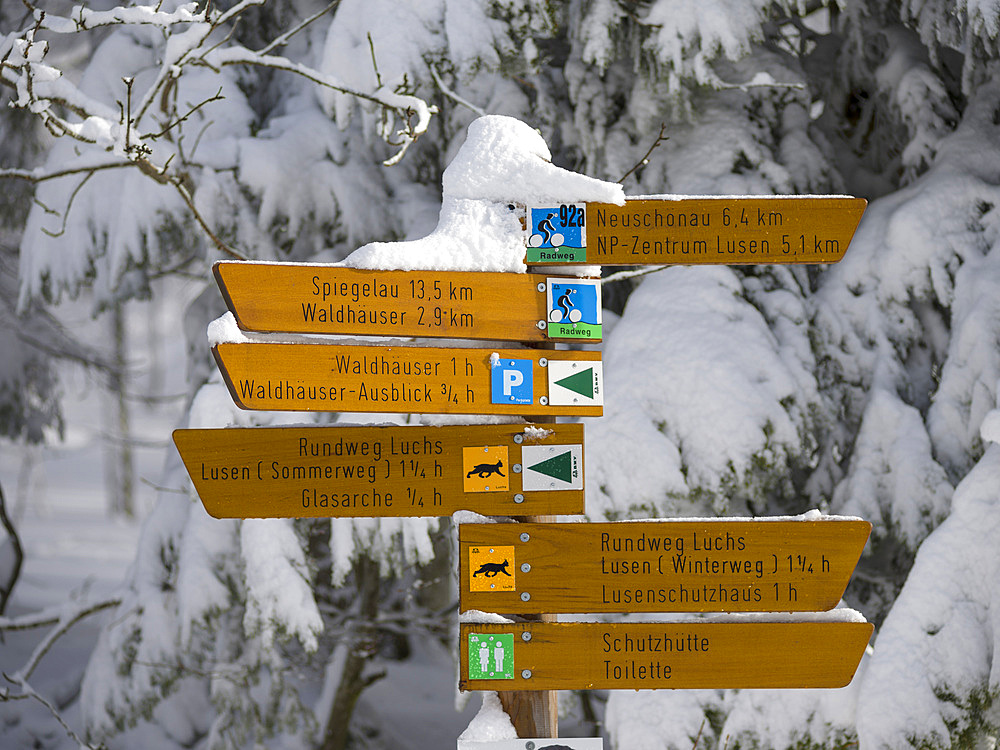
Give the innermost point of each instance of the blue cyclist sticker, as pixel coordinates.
(574, 309)
(557, 233)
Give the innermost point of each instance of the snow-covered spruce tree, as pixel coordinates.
(30, 338)
(900, 354)
(186, 137)
(239, 139)
(857, 389)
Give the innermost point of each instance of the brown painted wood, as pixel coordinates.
(663, 566)
(716, 230)
(325, 299)
(692, 654)
(394, 379)
(299, 472)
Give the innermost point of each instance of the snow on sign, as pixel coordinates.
(401, 379)
(683, 230)
(328, 299)
(536, 743)
(671, 566)
(297, 472)
(652, 655)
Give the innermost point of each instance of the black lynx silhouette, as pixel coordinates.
(492, 569)
(484, 471)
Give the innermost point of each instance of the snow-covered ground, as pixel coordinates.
(74, 550)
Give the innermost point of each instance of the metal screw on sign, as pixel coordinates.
(525, 597)
(525, 536)
(516, 468)
(526, 567)
(529, 745)
(543, 400)
(526, 674)
(543, 362)
(518, 498)
(540, 325)
(540, 287)
(519, 438)
(525, 636)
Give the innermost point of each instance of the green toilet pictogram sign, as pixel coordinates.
(491, 656)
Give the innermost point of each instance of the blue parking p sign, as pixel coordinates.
(511, 381)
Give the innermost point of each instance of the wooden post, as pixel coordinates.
(534, 713)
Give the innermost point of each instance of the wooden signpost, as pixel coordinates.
(535, 569)
(300, 298)
(659, 566)
(653, 655)
(296, 472)
(684, 231)
(323, 377)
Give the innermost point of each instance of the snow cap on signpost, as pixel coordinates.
(502, 162)
(504, 159)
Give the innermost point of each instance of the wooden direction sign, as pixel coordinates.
(678, 230)
(659, 566)
(299, 298)
(654, 655)
(404, 379)
(297, 472)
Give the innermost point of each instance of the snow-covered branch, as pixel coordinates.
(412, 111)
(63, 618)
(63, 615)
(145, 127)
(41, 87)
(41, 174)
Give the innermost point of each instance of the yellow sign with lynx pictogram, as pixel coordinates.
(486, 468)
(491, 568)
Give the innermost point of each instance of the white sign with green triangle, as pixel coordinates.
(551, 467)
(576, 383)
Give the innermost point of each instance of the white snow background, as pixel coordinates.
(710, 428)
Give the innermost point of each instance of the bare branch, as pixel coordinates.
(635, 273)
(161, 488)
(194, 108)
(54, 615)
(40, 175)
(65, 620)
(235, 11)
(282, 40)
(58, 353)
(69, 205)
(8, 586)
(645, 159)
(222, 246)
(371, 48)
(29, 692)
(452, 95)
